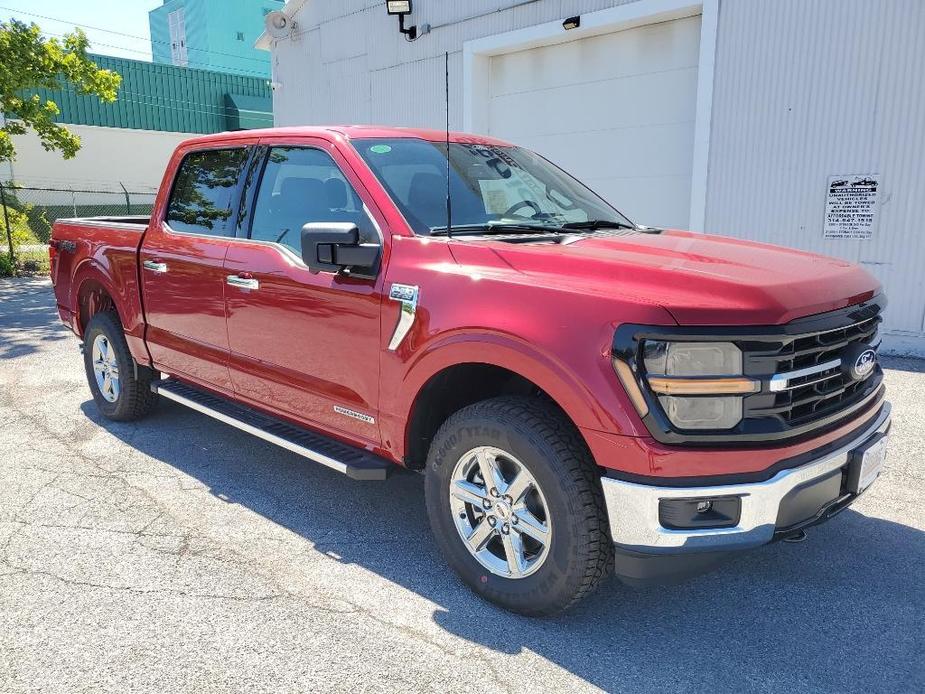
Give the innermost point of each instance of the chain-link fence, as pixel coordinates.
(29, 212)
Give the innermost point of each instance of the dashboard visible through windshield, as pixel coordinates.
(491, 187)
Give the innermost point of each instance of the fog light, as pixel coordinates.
(688, 514)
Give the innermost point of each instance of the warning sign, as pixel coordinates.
(851, 206)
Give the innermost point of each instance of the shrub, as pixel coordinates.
(19, 223)
(30, 263)
(30, 224)
(38, 223)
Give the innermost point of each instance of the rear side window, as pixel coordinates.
(204, 192)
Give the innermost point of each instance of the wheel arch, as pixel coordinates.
(464, 372)
(96, 288)
(92, 297)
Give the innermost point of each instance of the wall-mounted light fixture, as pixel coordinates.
(402, 8)
(571, 23)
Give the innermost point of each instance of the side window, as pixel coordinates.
(203, 195)
(302, 185)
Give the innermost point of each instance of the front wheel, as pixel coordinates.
(516, 506)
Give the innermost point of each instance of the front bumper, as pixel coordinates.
(633, 509)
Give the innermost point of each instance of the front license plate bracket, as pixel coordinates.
(866, 463)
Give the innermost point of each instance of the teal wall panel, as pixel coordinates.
(163, 97)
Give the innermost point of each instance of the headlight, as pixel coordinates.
(699, 384)
(702, 412)
(692, 358)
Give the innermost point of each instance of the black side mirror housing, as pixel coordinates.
(336, 247)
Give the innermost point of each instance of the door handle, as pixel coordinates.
(154, 266)
(244, 280)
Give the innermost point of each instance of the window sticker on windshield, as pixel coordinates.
(380, 149)
(494, 155)
(495, 196)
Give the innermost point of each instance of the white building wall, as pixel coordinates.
(800, 91)
(807, 90)
(349, 64)
(108, 156)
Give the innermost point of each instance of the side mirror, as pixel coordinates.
(336, 247)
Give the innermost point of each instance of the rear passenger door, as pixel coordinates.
(304, 344)
(182, 257)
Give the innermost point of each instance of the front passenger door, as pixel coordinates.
(304, 345)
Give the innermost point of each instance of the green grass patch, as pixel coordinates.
(32, 263)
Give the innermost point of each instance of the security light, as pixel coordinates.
(571, 23)
(399, 6)
(402, 8)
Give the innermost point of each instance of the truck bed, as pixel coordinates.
(103, 248)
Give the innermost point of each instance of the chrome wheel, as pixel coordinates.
(106, 368)
(500, 512)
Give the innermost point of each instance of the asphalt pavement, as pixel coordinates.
(177, 554)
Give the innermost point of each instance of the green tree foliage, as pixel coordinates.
(29, 61)
(19, 227)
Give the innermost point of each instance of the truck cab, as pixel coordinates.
(582, 393)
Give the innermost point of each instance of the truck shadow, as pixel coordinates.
(25, 319)
(842, 611)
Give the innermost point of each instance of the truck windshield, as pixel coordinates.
(491, 187)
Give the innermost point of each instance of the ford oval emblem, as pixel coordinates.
(863, 365)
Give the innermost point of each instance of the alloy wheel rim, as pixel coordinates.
(106, 369)
(500, 512)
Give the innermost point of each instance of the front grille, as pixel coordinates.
(805, 386)
(827, 388)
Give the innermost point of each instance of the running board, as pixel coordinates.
(356, 463)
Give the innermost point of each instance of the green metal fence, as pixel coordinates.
(29, 212)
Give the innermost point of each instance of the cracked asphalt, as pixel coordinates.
(177, 554)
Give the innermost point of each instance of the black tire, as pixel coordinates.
(135, 399)
(580, 554)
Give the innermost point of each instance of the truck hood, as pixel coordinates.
(698, 278)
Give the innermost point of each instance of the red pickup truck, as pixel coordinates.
(582, 393)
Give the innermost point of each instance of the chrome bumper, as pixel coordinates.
(633, 508)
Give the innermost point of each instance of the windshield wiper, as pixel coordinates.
(496, 228)
(595, 224)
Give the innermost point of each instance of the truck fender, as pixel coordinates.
(123, 291)
(571, 391)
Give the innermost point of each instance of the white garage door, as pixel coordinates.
(616, 110)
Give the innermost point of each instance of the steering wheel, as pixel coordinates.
(523, 203)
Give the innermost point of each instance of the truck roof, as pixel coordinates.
(350, 132)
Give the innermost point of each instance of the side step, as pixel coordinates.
(356, 463)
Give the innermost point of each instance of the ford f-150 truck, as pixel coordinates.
(583, 394)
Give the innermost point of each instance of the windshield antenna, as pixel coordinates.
(449, 204)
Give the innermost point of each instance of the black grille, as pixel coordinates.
(820, 394)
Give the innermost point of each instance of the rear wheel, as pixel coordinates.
(121, 388)
(515, 502)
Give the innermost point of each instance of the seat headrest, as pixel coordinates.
(295, 188)
(335, 190)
